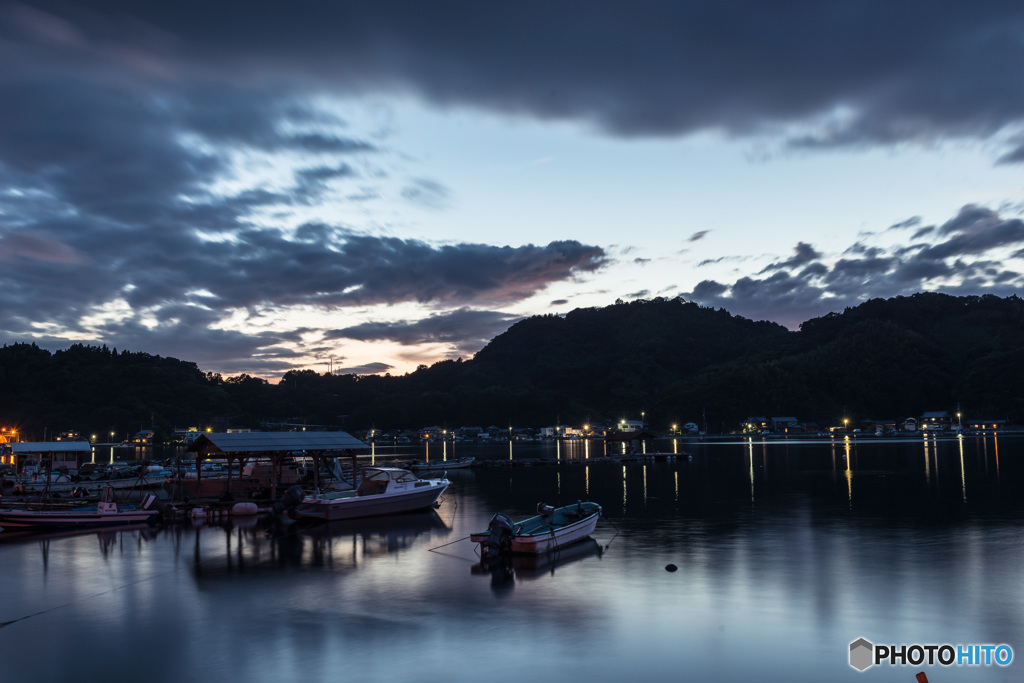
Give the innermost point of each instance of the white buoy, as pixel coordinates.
(198, 512)
(247, 509)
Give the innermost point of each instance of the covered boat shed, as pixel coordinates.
(275, 446)
(57, 453)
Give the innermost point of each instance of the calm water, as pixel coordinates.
(786, 552)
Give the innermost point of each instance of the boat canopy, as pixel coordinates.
(383, 474)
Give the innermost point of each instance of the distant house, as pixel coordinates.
(936, 421)
(756, 425)
(878, 426)
(631, 426)
(784, 425)
(429, 433)
(987, 425)
(909, 425)
(143, 437)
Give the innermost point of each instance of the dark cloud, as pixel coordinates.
(957, 265)
(805, 253)
(465, 330)
(366, 369)
(921, 233)
(860, 71)
(697, 236)
(903, 225)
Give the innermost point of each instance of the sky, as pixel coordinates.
(366, 187)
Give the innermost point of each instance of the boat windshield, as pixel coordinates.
(376, 475)
(404, 476)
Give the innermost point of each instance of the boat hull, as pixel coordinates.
(540, 537)
(352, 506)
(46, 519)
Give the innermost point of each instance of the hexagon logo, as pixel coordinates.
(861, 654)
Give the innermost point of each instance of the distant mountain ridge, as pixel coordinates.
(673, 360)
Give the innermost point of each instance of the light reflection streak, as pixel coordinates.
(586, 479)
(750, 447)
(645, 485)
(623, 487)
(995, 442)
(927, 463)
(963, 479)
(849, 471)
(677, 485)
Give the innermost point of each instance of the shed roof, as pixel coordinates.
(29, 447)
(273, 442)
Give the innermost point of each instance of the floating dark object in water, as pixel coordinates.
(670, 567)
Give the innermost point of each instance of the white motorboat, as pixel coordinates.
(550, 529)
(382, 491)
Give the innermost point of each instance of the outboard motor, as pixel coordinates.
(502, 530)
(544, 510)
(292, 497)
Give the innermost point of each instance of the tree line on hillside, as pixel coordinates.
(671, 359)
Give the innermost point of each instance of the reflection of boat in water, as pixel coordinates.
(407, 524)
(550, 529)
(105, 534)
(105, 513)
(504, 570)
(383, 491)
(533, 566)
(275, 547)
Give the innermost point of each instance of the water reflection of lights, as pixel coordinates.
(623, 487)
(645, 484)
(750, 446)
(927, 463)
(849, 471)
(995, 444)
(963, 479)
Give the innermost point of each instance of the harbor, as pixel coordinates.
(786, 552)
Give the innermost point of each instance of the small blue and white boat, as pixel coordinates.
(550, 529)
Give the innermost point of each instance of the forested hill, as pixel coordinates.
(671, 359)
